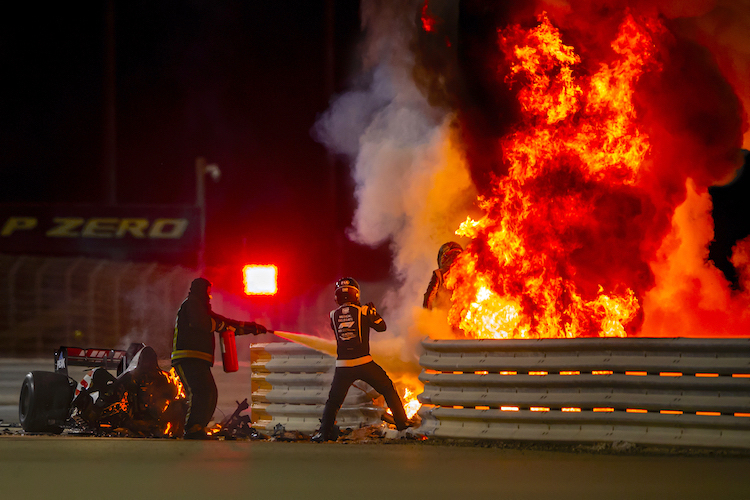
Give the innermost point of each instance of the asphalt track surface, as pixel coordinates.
(67, 467)
(81, 467)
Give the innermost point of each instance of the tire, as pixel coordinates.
(44, 405)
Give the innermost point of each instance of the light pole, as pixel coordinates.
(201, 169)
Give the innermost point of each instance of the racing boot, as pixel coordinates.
(319, 437)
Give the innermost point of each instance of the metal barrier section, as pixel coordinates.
(685, 392)
(290, 384)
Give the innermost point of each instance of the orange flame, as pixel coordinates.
(428, 20)
(580, 134)
(411, 404)
(174, 379)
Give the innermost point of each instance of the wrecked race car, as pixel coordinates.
(141, 400)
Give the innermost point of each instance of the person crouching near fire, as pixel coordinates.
(351, 322)
(437, 296)
(193, 354)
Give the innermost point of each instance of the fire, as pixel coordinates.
(411, 404)
(409, 394)
(174, 379)
(428, 20)
(579, 142)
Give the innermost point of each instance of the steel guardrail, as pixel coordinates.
(290, 385)
(687, 392)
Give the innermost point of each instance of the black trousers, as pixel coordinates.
(373, 374)
(201, 392)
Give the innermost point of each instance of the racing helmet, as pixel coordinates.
(347, 290)
(448, 253)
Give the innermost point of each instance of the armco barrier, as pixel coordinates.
(290, 385)
(687, 392)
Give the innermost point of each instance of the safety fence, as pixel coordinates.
(46, 302)
(686, 392)
(290, 384)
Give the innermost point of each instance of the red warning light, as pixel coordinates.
(260, 279)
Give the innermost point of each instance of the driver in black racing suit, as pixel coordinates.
(193, 353)
(351, 323)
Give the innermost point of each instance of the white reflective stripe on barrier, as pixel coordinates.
(735, 347)
(585, 362)
(311, 396)
(306, 418)
(300, 365)
(577, 401)
(588, 418)
(674, 383)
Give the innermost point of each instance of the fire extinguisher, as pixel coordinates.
(229, 351)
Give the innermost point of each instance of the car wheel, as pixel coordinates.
(44, 404)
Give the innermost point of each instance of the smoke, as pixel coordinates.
(421, 127)
(412, 184)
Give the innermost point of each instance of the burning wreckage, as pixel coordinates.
(142, 400)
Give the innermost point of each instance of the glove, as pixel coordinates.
(371, 306)
(252, 328)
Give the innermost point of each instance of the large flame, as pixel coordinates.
(579, 138)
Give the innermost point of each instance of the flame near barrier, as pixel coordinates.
(409, 391)
(527, 271)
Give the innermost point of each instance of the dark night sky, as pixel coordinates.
(240, 83)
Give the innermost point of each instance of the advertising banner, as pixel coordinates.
(137, 232)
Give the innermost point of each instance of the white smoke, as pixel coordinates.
(412, 187)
